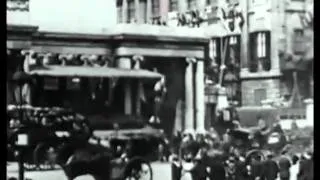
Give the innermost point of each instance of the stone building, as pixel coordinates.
(182, 39)
(179, 54)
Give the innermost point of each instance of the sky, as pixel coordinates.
(81, 16)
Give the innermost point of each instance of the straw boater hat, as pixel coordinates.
(201, 131)
(189, 131)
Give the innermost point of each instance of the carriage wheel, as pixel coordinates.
(44, 157)
(138, 169)
(253, 154)
(29, 164)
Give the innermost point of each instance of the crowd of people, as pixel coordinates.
(203, 155)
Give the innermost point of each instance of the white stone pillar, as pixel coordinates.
(309, 112)
(149, 10)
(275, 63)
(137, 60)
(244, 37)
(125, 63)
(200, 104)
(124, 11)
(182, 6)
(189, 109)
(137, 11)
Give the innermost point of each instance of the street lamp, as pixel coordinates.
(20, 78)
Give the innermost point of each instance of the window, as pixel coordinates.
(214, 53)
(173, 5)
(51, 84)
(233, 40)
(260, 51)
(259, 95)
(192, 4)
(155, 8)
(233, 52)
(73, 83)
(261, 45)
(298, 42)
(213, 49)
(131, 11)
(298, 32)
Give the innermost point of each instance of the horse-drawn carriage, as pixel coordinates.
(46, 129)
(121, 156)
(255, 142)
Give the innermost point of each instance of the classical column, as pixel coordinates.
(125, 63)
(200, 104)
(274, 55)
(309, 112)
(149, 11)
(189, 109)
(137, 60)
(182, 5)
(124, 11)
(137, 11)
(164, 7)
(202, 4)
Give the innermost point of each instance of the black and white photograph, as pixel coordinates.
(160, 89)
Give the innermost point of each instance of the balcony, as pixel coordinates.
(296, 6)
(149, 30)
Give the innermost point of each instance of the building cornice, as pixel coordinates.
(21, 28)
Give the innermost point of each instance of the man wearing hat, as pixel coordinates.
(270, 168)
(284, 166)
(306, 168)
(295, 167)
(215, 159)
(256, 168)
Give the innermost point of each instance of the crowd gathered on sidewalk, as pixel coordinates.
(214, 157)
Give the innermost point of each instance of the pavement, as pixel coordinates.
(161, 171)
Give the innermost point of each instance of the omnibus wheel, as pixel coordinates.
(253, 154)
(29, 164)
(138, 169)
(45, 156)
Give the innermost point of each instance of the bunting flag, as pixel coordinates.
(17, 5)
(307, 18)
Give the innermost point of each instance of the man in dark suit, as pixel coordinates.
(270, 168)
(306, 168)
(284, 167)
(256, 169)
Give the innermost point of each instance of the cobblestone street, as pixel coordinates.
(161, 171)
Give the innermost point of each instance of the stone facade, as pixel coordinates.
(271, 86)
(283, 22)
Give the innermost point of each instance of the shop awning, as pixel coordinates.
(80, 71)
